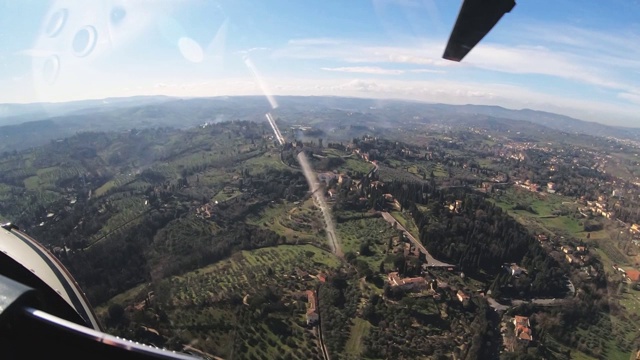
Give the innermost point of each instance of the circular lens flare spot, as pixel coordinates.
(56, 22)
(190, 49)
(50, 69)
(84, 41)
(118, 14)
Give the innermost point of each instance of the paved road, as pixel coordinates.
(540, 302)
(496, 305)
(431, 261)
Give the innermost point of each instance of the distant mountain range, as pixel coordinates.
(551, 120)
(27, 125)
(11, 114)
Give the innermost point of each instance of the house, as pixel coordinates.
(523, 328)
(342, 178)
(589, 270)
(462, 296)
(376, 184)
(456, 206)
(326, 177)
(433, 285)
(635, 228)
(632, 275)
(567, 249)
(331, 193)
(312, 313)
(302, 274)
(516, 270)
(542, 237)
(581, 249)
(205, 211)
(417, 283)
(571, 259)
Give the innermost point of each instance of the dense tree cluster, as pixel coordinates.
(478, 236)
(338, 302)
(395, 335)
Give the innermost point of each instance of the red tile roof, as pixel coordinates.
(633, 274)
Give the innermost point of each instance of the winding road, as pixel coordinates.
(431, 261)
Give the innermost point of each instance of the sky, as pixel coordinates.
(578, 58)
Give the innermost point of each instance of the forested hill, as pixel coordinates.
(478, 237)
(124, 208)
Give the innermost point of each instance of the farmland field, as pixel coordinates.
(253, 302)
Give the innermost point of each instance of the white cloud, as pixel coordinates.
(508, 59)
(633, 97)
(541, 61)
(576, 55)
(314, 41)
(617, 48)
(365, 70)
(431, 71)
(375, 70)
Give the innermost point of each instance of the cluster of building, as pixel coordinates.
(428, 285)
(415, 283)
(573, 254)
(630, 275)
(577, 255)
(522, 328)
(534, 187)
(597, 208)
(312, 310)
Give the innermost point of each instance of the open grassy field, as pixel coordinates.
(268, 161)
(32, 183)
(105, 187)
(359, 331)
(552, 214)
(355, 165)
(297, 221)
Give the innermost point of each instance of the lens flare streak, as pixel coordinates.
(261, 83)
(312, 179)
(276, 131)
(318, 198)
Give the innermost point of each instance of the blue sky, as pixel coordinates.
(576, 58)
